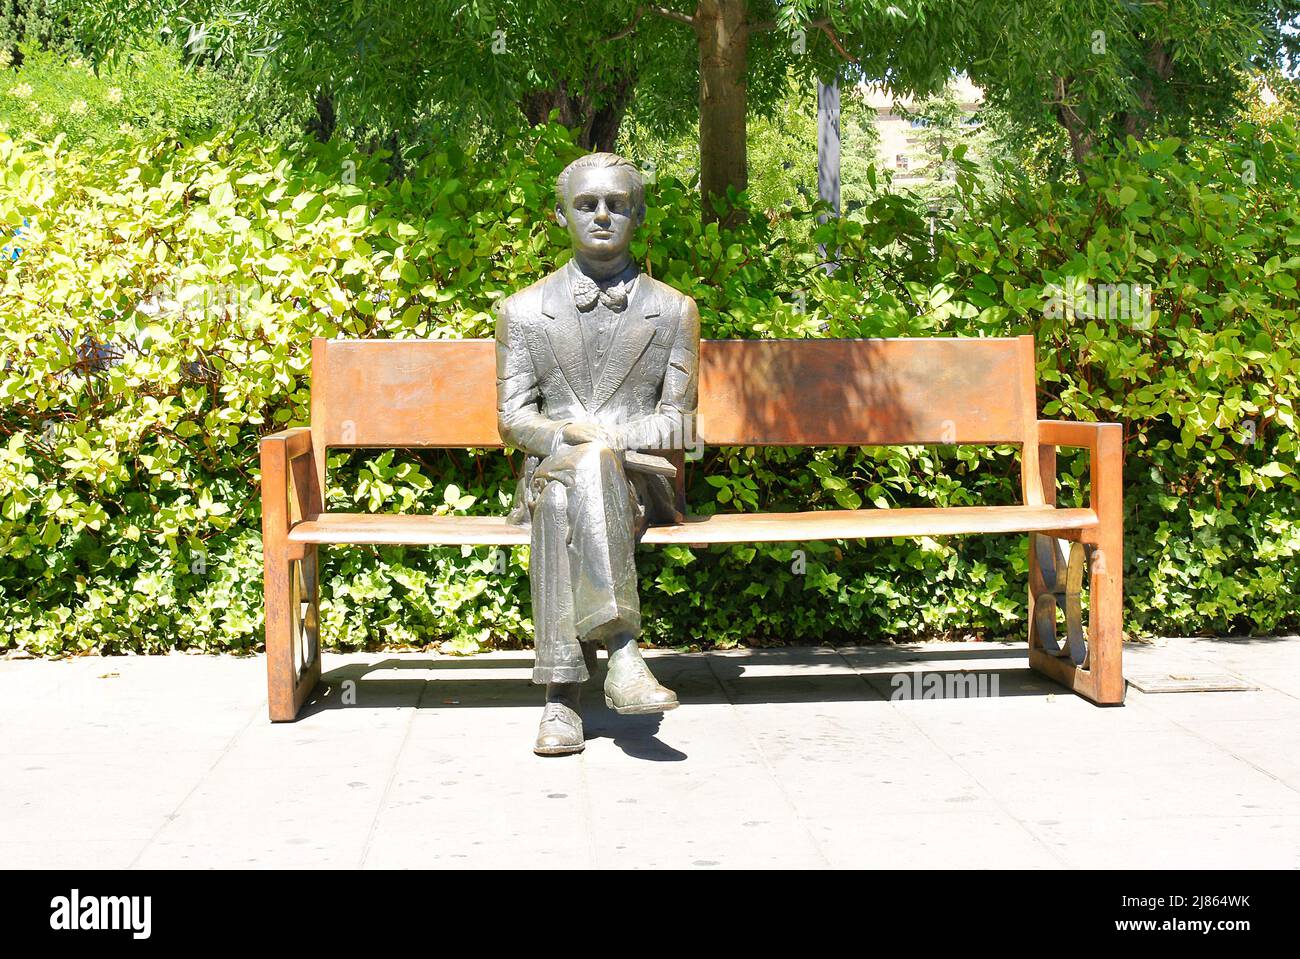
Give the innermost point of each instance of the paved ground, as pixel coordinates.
(797, 758)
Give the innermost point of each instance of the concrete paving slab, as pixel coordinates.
(1124, 841)
(956, 840)
(1271, 747)
(70, 854)
(89, 796)
(491, 807)
(271, 817)
(802, 757)
(901, 772)
(1264, 660)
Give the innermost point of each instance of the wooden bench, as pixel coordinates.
(420, 393)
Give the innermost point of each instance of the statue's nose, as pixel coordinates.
(602, 213)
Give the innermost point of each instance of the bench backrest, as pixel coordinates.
(823, 392)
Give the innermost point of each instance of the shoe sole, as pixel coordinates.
(643, 710)
(558, 750)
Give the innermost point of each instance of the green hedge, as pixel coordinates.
(158, 306)
(146, 94)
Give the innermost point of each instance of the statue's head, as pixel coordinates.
(600, 200)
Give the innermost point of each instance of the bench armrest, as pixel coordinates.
(295, 441)
(290, 491)
(1075, 435)
(1105, 445)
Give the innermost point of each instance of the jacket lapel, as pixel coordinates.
(629, 341)
(565, 336)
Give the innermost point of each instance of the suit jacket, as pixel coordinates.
(645, 393)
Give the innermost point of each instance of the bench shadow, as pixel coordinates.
(795, 675)
(353, 684)
(906, 677)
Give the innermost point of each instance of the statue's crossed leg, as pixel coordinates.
(585, 524)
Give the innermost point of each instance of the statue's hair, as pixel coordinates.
(601, 160)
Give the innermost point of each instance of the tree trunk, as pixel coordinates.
(602, 134)
(323, 124)
(1160, 65)
(1082, 140)
(723, 40)
(597, 126)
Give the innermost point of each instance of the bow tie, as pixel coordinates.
(586, 292)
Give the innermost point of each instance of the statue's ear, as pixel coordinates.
(560, 218)
(640, 214)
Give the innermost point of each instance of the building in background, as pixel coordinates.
(899, 121)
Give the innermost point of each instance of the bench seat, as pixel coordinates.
(414, 530)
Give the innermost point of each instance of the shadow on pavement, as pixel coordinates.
(799, 675)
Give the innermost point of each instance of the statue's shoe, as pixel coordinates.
(630, 690)
(560, 731)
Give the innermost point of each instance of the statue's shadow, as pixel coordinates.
(437, 684)
(637, 736)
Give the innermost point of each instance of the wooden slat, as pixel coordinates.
(426, 393)
(720, 528)
(868, 524)
(405, 393)
(384, 528)
(862, 392)
(1031, 485)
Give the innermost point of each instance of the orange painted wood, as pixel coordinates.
(1102, 678)
(868, 524)
(416, 393)
(1031, 487)
(289, 493)
(721, 528)
(423, 393)
(404, 393)
(862, 392)
(1106, 582)
(296, 441)
(409, 530)
(281, 675)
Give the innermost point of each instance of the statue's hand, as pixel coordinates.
(576, 433)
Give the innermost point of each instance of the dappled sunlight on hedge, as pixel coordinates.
(159, 306)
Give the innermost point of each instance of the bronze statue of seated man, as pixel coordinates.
(596, 365)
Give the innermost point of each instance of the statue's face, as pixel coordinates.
(600, 211)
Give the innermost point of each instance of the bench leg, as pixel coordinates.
(1089, 663)
(292, 631)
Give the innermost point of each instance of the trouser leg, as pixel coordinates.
(603, 518)
(583, 572)
(558, 656)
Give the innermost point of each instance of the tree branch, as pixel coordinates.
(661, 11)
(825, 27)
(674, 15)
